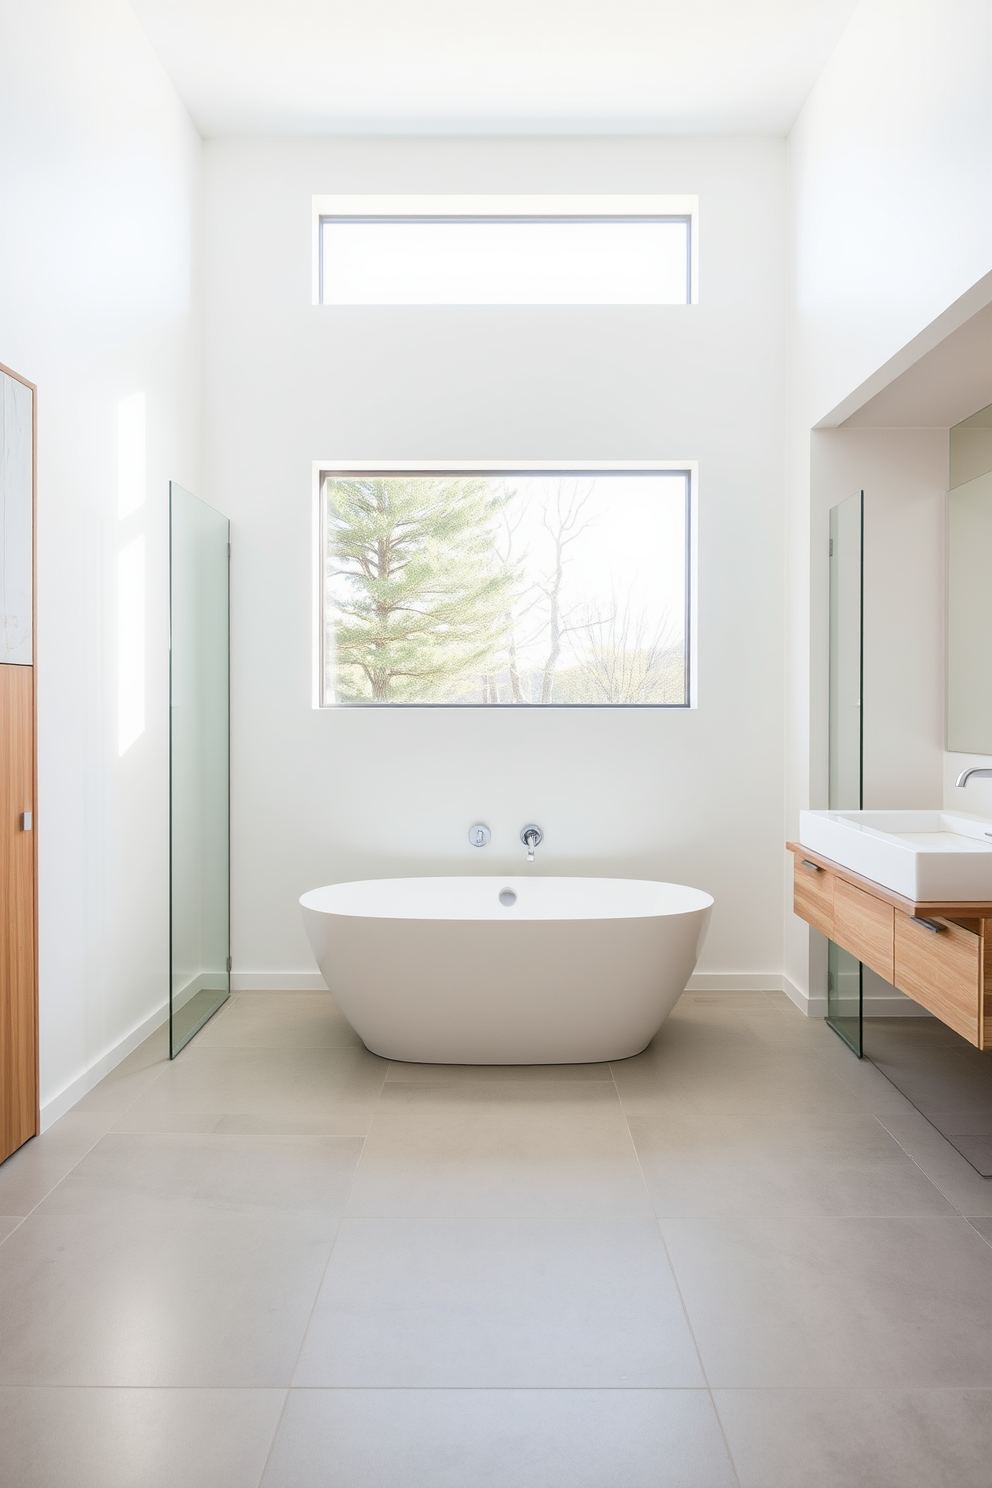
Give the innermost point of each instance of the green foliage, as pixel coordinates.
(419, 598)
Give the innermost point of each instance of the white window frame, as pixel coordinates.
(350, 467)
(559, 207)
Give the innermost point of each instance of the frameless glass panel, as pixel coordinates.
(844, 973)
(199, 760)
(845, 1000)
(514, 589)
(521, 261)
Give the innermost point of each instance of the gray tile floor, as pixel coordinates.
(741, 1258)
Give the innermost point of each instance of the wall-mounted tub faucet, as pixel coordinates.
(966, 775)
(531, 837)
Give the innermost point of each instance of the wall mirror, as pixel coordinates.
(969, 587)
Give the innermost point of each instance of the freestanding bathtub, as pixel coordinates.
(506, 970)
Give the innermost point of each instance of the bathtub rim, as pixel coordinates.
(693, 900)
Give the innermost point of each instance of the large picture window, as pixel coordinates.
(505, 588)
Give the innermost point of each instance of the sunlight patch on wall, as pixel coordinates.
(130, 644)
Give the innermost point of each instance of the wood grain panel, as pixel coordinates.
(985, 1005)
(18, 956)
(813, 895)
(942, 971)
(863, 925)
(954, 907)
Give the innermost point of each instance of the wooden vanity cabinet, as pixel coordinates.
(943, 970)
(863, 925)
(813, 894)
(935, 953)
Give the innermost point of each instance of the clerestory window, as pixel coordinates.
(506, 250)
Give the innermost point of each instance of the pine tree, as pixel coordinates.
(417, 595)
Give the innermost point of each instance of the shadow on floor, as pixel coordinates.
(948, 1081)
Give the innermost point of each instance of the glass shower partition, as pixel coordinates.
(199, 761)
(845, 974)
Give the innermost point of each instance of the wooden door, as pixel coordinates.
(18, 875)
(18, 1033)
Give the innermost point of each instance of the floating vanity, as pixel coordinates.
(910, 894)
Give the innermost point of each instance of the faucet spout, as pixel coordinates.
(966, 775)
(531, 837)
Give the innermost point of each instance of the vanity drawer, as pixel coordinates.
(813, 895)
(942, 971)
(863, 926)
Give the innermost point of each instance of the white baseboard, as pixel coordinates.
(702, 981)
(893, 1006)
(277, 981)
(57, 1105)
(896, 1006)
(813, 1007)
(736, 981)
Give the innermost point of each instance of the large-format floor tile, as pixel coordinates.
(34, 1169)
(836, 1302)
(279, 1020)
(859, 1438)
(756, 1079)
(525, 1149)
(499, 1303)
(172, 1174)
(129, 1079)
(339, 1085)
(191, 1300)
(957, 1180)
(939, 1079)
(72, 1438)
(497, 1438)
(496, 1074)
(8, 1224)
(724, 1163)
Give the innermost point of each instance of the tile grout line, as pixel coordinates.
(936, 1182)
(96, 1141)
(319, 1289)
(675, 1280)
(49, 1191)
(320, 1284)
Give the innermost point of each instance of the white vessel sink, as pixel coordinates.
(923, 855)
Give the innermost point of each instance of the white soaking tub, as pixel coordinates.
(506, 970)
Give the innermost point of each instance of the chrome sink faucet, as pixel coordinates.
(966, 775)
(531, 837)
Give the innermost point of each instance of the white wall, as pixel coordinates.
(99, 179)
(890, 221)
(324, 796)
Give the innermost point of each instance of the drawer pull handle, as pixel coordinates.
(813, 867)
(933, 925)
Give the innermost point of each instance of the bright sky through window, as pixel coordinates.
(519, 261)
